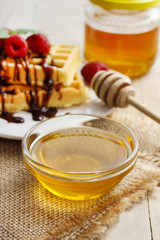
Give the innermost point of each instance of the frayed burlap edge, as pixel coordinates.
(139, 184)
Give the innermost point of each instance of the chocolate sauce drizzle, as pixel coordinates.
(6, 115)
(10, 118)
(38, 112)
(26, 67)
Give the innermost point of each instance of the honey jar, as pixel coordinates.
(123, 34)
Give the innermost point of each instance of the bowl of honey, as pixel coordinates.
(79, 156)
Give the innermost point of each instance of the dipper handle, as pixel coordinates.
(141, 107)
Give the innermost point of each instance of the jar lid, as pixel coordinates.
(126, 4)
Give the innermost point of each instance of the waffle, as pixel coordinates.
(15, 98)
(60, 65)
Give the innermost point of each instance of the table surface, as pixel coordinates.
(63, 22)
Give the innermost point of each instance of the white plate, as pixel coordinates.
(17, 130)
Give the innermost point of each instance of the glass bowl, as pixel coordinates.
(79, 156)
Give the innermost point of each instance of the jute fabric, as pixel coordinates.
(28, 211)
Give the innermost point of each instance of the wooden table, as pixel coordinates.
(63, 22)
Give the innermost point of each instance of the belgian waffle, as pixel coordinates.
(60, 65)
(15, 97)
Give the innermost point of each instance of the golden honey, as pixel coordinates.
(125, 40)
(131, 54)
(78, 157)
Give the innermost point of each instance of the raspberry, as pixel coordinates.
(16, 46)
(91, 68)
(39, 43)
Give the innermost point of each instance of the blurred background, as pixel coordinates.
(60, 28)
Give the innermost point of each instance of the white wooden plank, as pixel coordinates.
(21, 14)
(154, 207)
(6, 10)
(132, 225)
(147, 88)
(62, 21)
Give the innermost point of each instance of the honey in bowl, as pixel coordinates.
(80, 162)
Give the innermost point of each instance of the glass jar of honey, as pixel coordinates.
(122, 34)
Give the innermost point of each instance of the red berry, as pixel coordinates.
(39, 43)
(16, 46)
(91, 68)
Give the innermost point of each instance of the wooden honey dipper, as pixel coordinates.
(116, 91)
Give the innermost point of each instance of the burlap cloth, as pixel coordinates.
(28, 211)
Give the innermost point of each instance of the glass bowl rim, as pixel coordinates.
(118, 168)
